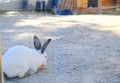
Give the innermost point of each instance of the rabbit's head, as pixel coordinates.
(41, 48)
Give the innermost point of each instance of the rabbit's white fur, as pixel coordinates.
(19, 59)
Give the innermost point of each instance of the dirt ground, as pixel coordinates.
(84, 48)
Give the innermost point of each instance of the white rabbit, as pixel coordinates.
(18, 60)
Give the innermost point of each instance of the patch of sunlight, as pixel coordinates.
(10, 30)
(28, 23)
(13, 13)
(22, 36)
(99, 22)
(44, 22)
(27, 34)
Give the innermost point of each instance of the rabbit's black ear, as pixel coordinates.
(45, 46)
(37, 43)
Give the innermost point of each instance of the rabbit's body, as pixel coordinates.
(18, 60)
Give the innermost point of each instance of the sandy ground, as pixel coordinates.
(84, 48)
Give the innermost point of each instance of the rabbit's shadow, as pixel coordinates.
(28, 74)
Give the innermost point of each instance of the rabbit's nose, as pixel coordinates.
(42, 67)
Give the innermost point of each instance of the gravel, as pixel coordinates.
(84, 48)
